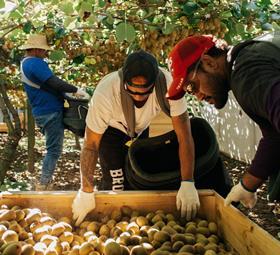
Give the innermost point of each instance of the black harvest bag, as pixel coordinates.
(74, 115)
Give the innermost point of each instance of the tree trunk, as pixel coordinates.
(8, 154)
(31, 139)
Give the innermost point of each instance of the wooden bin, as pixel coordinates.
(245, 236)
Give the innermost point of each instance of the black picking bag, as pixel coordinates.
(153, 163)
(74, 115)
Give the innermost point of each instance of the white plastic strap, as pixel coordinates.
(25, 79)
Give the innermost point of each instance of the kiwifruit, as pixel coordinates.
(138, 250)
(161, 236)
(178, 237)
(66, 237)
(33, 215)
(142, 221)
(199, 248)
(48, 239)
(159, 252)
(126, 210)
(93, 226)
(187, 248)
(10, 236)
(8, 215)
(104, 230)
(27, 249)
(210, 252)
(212, 226)
(134, 240)
(191, 229)
(86, 248)
(150, 216)
(203, 230)
(12, 249)
(19, 215)
(177, 245)
(211, 246)
(57, 229)
(112, 248)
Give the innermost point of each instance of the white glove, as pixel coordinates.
(83, 203)
(238, 193)
(81, 93)
(187, 200)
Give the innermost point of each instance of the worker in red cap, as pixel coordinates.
(207, 68)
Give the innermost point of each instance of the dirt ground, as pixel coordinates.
(266, 215)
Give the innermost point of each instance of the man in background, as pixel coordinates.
(45, 93)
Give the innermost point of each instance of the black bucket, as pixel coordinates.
(153, 163)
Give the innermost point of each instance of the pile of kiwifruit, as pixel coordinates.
(29, 231)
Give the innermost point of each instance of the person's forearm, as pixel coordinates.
(186, 155)
(186, 145)
(250, 182)
(59, 85)
(88, 160)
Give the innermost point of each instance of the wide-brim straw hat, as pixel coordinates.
(36, 41)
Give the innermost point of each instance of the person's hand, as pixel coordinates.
(82, 204)
(239, 194)
(187, 200)
(81, 93)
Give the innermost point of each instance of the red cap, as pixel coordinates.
(183, 55)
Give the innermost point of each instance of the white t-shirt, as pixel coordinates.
(105, 108)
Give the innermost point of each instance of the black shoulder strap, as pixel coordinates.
(236, 49)
(273, 37)
(161, 90)
(127, 107)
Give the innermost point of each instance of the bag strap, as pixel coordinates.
(273, 37)
(24, 78)
(161, 90)
(128, 105)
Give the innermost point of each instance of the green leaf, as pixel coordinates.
(126, 32)
(27, 27)
(106, 23)
(226, 15)
(17, 13)
(110, 19)
(38, 23)
(236, 11)
(69, 22)
(265, 3)
(101, 3)
(168, 28)
(244, 11)
(92, 19)
(190, 7)
(240, 29)
(275, 26)
(251, 6)
(66, 7)
(57, 55)
(85, 7)
(204, 1)
(79, 59)
(275, 16)
(59, 32)
(2, 4)
(267, 26)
